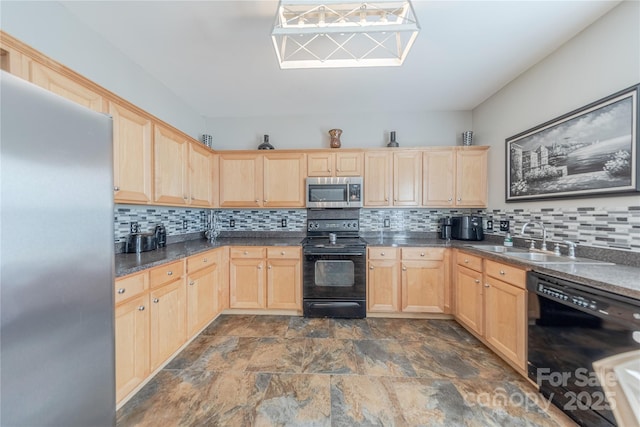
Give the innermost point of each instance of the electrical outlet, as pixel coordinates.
(504, 225)
(185, 224)
(387, 223)
(489, 224)
(283, 222)
(134, 227)
(232, 223)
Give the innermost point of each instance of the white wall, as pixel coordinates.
(603, 59)
(51, 29)
(359, 130)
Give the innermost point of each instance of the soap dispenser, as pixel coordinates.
(508, 240)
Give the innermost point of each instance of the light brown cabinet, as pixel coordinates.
(392, 178)
(168, 311)
(170, 159)
(202, 176)
(327, 163)
(469, 306)
(283, 180)
(491, 302)
(455, 176)
(202, 291)
(408, 280)
(12, 61)
(62, 85)
(383, 280)
(132, 176)
(240, 180)
(262, 277)
(131, 332)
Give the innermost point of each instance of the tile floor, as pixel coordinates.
(292, 371)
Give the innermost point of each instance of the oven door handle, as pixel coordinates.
(333, 253)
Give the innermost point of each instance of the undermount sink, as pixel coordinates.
(536, 257)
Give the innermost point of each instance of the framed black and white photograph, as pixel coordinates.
(592, 151)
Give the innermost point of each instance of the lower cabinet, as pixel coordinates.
(265, 278)
(132, 344)
(407, 280)
(168, 320)
(491, 302)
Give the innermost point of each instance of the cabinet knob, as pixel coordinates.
(122, 290)
(246, 253)
(421, 253)
(169, 273)
(404, 268)
(371, 267)
(204, 260)
(466, 261)
(459, 199)
(192, 283)
(269, 267)
(386, 199)
(282, 253)
(116, 188)
(486, 285)
(381, 253)
(141, 308)
(329, 170)
(266, 201)
(477, 281)
(257, 201)
(185, 197)
(395, 200)
(450, 199)
(502, 273)
(156, 300)
(260, 267)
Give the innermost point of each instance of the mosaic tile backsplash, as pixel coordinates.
(612, 228)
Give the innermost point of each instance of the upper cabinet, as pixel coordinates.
(262, 180)
(328, 163)
(13, 61)
(131, 155)
(202, 175)
(455, 177)
(171, 155)
(62, 85)
(392, 178)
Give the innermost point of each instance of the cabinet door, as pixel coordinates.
(67, 88)
(202, 298)
(320, 164)
(284, 284)
(407, 178)
(284, 176)
(469, 304)
(471, 177)
(132, 344)
(438, 183)
(423, 286)
(246, 283)
(383, 288)
(200, 175)
(170, 157)
(348, 164)
(131, 155)
(168, 321)
(377, 178)
(240, 180)
(222, 281)
(505, 327)
(13, 61)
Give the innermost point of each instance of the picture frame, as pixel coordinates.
(590, 152)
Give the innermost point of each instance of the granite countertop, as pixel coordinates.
(619, 279)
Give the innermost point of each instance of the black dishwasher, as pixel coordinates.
(571, 326)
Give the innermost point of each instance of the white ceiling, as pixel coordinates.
(217, 55)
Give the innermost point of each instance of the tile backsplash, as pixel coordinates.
(611, 228)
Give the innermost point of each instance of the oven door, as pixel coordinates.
(334, 284)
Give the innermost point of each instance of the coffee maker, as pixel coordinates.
(445, 228)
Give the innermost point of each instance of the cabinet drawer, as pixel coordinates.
(283, 252)
(383, 253)
(506, 273)
(418, 254)
(130, 286)
(470, 261)
(246, 252)
(199, 261)
(166, 273)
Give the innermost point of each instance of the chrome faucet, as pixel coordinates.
(544, 234)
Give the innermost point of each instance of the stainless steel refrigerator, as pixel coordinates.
(56, 250)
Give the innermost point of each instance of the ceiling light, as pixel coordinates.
(333, 34)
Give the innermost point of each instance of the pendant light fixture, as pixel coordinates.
(333, 34)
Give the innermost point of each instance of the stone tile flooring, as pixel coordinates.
(292, 371)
